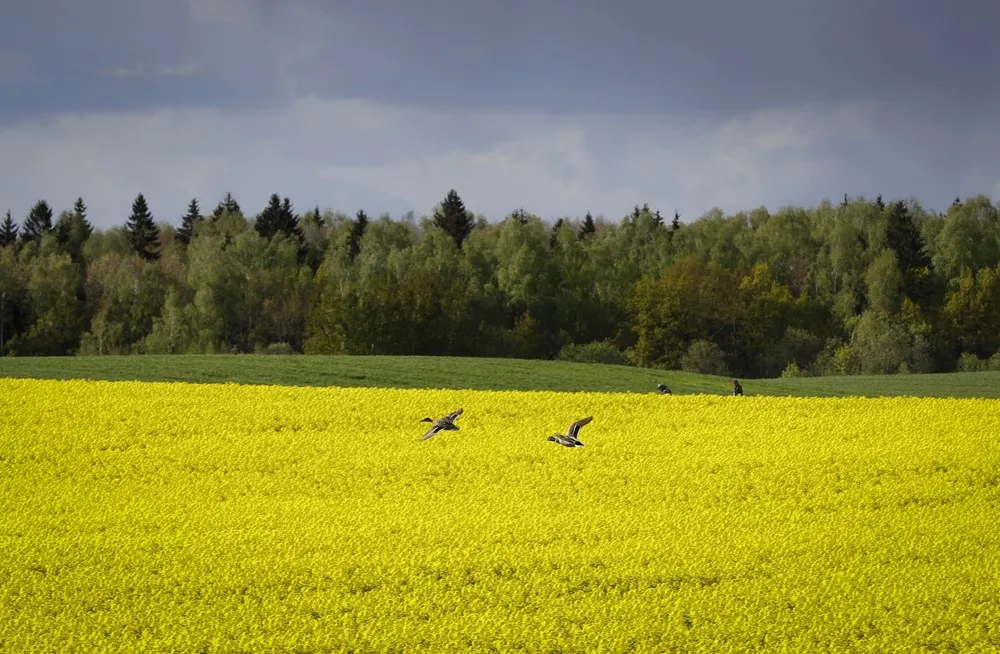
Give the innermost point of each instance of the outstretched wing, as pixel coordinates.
(430, 432)
(453, 416)
(574, 428)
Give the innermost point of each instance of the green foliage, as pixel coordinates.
(188, 222)
(142, 232)
(8, 231)
(706, 358)
(598, 352)
(857, 287)
(454, 218)
(37, 223)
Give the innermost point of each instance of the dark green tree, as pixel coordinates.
(141, 230)
(290, 220)
(675, 224)
(588, 228)
(358, 228)
(454, 218)
(657, 218)
(278, 216)
(555, 232)
(8, 231)
(228, 205)
(879, 202)
(38, 222)
(188, 221)
(520, 215)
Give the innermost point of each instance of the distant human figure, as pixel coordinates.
(737, 389)
(663, 390)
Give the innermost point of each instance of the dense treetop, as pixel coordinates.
(862, 286)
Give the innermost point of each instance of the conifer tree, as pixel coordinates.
(675, 224)
(38, 222)
(8, 231)
(188, 221)
(454, 218)
(555, 232)
(588, 228)
(357, 232)
(228, 205)
(141, 230)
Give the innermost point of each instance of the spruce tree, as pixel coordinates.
(228, 205)
(675, 224)
(290, 220)
(317, 216)
(269, 220)
(520, 215)
(357, 231)
(588, 228)
(38, 222)
(8, 231)
(555, 232)
(904, 238)
(879, 202)
(141, 230)
(454, 218)
(80, 213)
(657, 219)
(193, 215)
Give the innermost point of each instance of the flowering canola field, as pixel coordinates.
(221, 518)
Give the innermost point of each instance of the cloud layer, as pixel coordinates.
(350, 154)
(558, 106)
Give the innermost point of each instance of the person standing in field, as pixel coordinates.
(737, 389)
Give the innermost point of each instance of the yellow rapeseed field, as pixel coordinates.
(222, 518)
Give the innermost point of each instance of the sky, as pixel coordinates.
(556, 106)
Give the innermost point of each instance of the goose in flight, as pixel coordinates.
(447, 423)
(569, 439)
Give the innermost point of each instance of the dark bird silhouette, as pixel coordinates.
(663, 389)
(447, 423)
(569, 439)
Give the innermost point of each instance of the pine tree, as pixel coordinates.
(290, 220)
(228, 205)
(454, 218)
(38, 222)
(8, 231)
(269, 221)
(588, 228)
(80, 213)
(879, 202)
(188, 221)
(657, 219)
(675, 224)
(904, 238)
(318, 217)
(520, 215)
(357, 231)
(278, 216)
(555, 232)
(844, 202)
(141, 230)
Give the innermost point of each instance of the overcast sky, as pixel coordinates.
(559, 106)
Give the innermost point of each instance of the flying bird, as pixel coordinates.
(447, 423)
(569, 439)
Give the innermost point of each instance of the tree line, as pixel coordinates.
(858, 287)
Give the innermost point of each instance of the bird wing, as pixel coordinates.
(430, 432)
(574, 428)
(453, 416)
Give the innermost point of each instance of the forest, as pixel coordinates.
(861, 286)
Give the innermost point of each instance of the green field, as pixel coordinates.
(476, 373)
